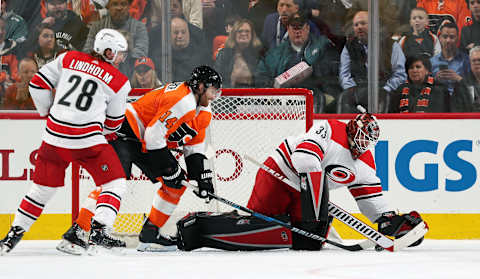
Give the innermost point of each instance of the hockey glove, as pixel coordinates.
(182, 135)
(175, 179)
(205, 184)
(398, 225)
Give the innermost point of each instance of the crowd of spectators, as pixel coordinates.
(429, 49)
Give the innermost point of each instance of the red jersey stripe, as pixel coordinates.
(365, 190)
(76, 131)
(311, 147)
(284, 150)
(39, 82)
(113, 123)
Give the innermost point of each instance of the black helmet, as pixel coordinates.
(207, 76)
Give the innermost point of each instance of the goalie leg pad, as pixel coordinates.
(230, 231)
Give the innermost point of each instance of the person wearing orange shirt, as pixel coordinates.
(173, 116)
(441, 10)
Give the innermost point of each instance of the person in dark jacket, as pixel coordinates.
(471, 31)
(70, 31)
(237, 61)
(303, 46)
(419, 93)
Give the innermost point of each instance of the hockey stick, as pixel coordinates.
(356, 224)
(355, 247)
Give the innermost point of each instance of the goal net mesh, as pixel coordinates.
(245, 121)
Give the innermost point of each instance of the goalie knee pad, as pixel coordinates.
(230, 231)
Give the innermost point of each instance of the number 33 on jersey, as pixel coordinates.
(89, 100)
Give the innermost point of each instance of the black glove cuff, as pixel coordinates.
(195, 165)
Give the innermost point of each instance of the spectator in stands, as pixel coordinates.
(185, 54)
(70, 31)
(256, 11)
(215, 12)
(455, 11)
(451, 64)
(332, 13)
(134, 31)
(196, 33)
(17, 29)
(471, 31)
(237, 61)
(468, 99)
(192, 12)
(219, 41)
(144, 75)
(17, 96)
(404, 10)
(301, 45)
(44, 48)
(420, 93)
(275, 26)
(420, 41)
(27, 9)
(353, 67)
(8, 60)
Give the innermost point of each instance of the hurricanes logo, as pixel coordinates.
(340, 174)
(104, 167)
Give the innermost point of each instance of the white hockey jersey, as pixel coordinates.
(325, 148)
(83, 97)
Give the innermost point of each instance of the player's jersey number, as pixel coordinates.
(85, 98)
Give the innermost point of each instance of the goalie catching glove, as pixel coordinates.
(398, 225)
(205, 184)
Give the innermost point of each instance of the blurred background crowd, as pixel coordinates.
(429, 58)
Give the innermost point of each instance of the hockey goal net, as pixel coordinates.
(245, 121)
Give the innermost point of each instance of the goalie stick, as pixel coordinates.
(356, 224)
(355, 247)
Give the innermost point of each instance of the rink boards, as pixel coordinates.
(428, 165)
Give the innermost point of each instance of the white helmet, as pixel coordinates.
(109, 39)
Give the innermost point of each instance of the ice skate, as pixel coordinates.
(151, 240)
(10, 241)
(74, 241)
(101, 238)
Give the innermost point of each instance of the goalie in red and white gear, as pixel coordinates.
(88, 103)
(330, 155)
(173, 116)
(339, 152)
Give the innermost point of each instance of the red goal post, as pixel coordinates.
(249, 120)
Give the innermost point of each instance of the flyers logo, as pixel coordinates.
(339, 174)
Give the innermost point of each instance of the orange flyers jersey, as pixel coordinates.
(160, 112)
(193, 142)
(458, 9)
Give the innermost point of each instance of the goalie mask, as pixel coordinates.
(207, 76)
(362, 131)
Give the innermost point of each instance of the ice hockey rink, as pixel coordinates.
(433, 259)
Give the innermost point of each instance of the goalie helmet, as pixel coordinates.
(109, 39)
(207, 76)
(362, 131)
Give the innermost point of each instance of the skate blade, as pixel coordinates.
(3, 250)
(153, 247)
(67, 247)
(98, 250)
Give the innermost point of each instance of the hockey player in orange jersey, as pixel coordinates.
(176, 115)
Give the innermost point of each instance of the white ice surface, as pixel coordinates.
(433, 259)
